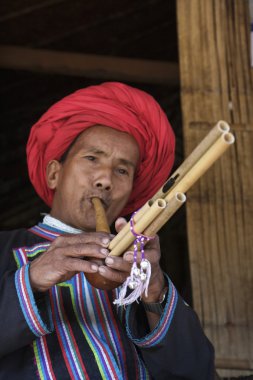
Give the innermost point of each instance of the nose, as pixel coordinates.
(104, 181)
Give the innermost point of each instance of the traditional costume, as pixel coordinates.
(74, 331)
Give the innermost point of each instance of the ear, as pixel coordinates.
(53, 173)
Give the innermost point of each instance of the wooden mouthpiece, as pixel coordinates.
(95, 279)
(101, 221)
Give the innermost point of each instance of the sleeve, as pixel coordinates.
(177, 348)
(24, 316)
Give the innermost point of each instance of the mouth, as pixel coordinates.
(105, 202)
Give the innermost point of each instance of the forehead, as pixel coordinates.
(106, 139)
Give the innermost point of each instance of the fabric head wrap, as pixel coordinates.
(114, 105)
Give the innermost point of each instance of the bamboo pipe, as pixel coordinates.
(126, 228)
(202, 165)
(156, 208)
(220, 128)
(95, 279)
(175, 203)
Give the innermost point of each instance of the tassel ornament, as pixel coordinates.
(138, 280)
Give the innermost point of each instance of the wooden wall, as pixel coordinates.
(216, 83)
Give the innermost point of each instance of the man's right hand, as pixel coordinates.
(65, 257)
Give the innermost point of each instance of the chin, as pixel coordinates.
(85, 219)
(89, 227)
(83, 225)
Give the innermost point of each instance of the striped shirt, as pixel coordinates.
(78, 332)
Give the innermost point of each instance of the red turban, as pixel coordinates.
(114, 105)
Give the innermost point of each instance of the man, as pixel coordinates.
(112, 142)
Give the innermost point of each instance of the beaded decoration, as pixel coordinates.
(139, 277)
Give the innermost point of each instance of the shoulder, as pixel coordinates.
(10, 240)
(16, 238)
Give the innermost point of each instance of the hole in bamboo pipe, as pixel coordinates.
(228, 138)
(161, 203)
(223, 126)
(95, 279)
(181, 197)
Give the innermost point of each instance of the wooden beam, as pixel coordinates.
(24, 10)
(89, 65)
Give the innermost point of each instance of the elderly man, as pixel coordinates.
(115, 143)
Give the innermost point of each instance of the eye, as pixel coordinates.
(90, 158)
(122, 171)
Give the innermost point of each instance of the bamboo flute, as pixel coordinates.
(201, 163)
(220, 128)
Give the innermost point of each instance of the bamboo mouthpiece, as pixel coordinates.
(101, 220)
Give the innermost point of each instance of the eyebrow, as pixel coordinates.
(123, 161)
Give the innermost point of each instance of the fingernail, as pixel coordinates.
(129, 257)
(101, 270)
(94, 267)
(109, 260)
(105, 241)
(104, 251)
(121, 220)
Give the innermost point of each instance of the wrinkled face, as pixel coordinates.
(102, 162)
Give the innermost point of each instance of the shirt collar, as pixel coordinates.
(56, 223)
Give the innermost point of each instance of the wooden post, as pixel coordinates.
(217, 83)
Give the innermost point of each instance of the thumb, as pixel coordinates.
(120, 223)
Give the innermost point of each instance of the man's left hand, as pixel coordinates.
(118, 268)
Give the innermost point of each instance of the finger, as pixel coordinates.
(81, 251)
(71, 265)
(100, 238)
(117, 263)
(120, 223)
(152, 255)
(44, 274)
(152, 249)
(77, 265)
(113, 275)
(153, 243)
